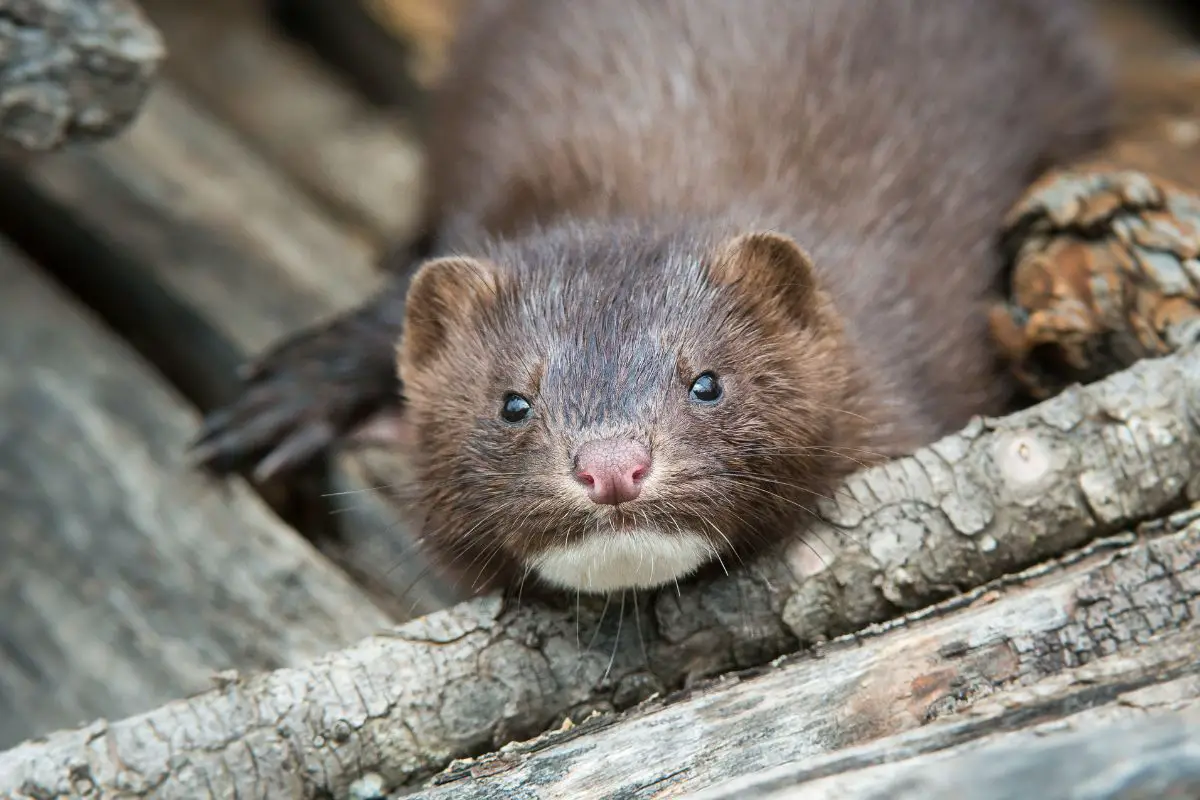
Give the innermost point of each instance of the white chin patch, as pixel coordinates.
(638, 559)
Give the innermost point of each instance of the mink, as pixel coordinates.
(686, 264)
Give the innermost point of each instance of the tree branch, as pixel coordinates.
(1107, 633)
(997, 497)
(72, 71)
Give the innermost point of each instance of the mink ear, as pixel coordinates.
(768, 267)
(444, 293)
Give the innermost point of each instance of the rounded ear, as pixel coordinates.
(768, 268)
(444, 293)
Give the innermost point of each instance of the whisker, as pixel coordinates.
(836, 527)
(616, 640)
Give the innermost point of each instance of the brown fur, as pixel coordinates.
(800, 195)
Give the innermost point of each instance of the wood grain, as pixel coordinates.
(1143, 745)
(201, 254)
(1069, 647)
(363, 164)
(125, 580)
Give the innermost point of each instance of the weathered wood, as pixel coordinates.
(977, 505)
(486, 673)
(201, 254)
(357, 160)
(1139, 757)
(125, 580)
(1038, 649)
(74, 70)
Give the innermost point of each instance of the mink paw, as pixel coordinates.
(301, 397)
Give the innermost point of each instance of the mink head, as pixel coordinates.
(606, 409)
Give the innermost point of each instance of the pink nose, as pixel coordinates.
(612, 470)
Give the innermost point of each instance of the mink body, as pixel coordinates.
(687, 263)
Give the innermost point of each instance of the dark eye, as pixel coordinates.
(515, 409)
(706, 388)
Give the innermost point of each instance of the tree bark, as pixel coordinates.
(1103, 273)
(72, 71)
(999, 496)
(1108, 633)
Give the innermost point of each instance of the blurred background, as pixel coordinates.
(277, 157)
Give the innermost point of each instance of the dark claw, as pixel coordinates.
(303, 396)
(248, 432)
(301, 446)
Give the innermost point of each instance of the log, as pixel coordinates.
(201, 254)
(361, 163)
(72, 71)
(125, 581)
(1107, 632)
(995, 498)
(1153, 756)
(1104, 273)
(459, 682)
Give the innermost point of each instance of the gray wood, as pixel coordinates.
(361, 163)
(126, 581)
(72, 71)
(1139, 756)
(979, 504)
(1088, 636)
(206, 254)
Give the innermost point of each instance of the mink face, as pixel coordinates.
(609, 407)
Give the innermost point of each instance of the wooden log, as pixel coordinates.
(979, 504)
(72, 71)
(125, 580)
(363, 164)
(200, 254)
(1142, 755)
(1066, 646)
(489, 673)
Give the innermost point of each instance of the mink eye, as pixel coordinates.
(706, 389)
(515, 409)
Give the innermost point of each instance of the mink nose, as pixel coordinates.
(612, 470)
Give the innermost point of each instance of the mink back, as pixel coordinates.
(888, 138)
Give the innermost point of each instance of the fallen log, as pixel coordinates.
(1147, 756)
(125, 581)
(72, 71)
(1107, 632)
(998, 497)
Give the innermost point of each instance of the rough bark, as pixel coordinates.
(1104, 272)
(1097, 634)
(71, 71)
(125, 580)
(997, 497)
